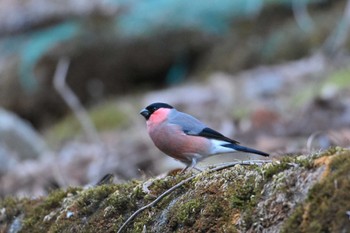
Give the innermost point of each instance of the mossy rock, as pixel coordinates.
(325, 209)
(307, 193)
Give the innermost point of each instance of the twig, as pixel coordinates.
(59, 82)
(246, 162)
(224, 166)
(154, 202)
(311, 139)
(72, 100)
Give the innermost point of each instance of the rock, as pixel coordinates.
(19, 137)
(7, 158)
(308, 193)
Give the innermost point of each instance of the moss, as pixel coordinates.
(327, 202)
(198, 213)
(305, 94)
(219, 199)
(340, 78)
(231, 200)
(336, 82)
(39, 214)
(188, 212)
(35, 217)
(9, 211)
(104, 116)
(288, 162)
(295, 219)
(242, 195)
(307, 163)
(158, 186)
(107, 116)
(11, 208)
(277, 167)
(89, 200)
(101, 209)
(333, 150)
(241, 113)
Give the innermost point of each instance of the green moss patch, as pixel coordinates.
(103, 117)
(340, 79)
(327, 202)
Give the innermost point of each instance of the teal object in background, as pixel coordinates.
(36, 45)
(178, 71)
(31, 46)
(144, 17)
(137, 18)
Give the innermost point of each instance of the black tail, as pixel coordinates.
(245, 149)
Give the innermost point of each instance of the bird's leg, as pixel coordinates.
(183, 170)
(192, 166)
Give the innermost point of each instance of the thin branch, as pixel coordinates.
(72, 100)
(311, 139)
(59, 82)
(154, 202)
(224, 166)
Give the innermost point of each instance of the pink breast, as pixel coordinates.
(175, 143)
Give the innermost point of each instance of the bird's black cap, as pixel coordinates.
(147, 112)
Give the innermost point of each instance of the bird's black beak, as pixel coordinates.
(145, 113)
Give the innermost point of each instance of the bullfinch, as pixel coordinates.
(184, 137)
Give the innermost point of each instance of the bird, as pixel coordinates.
(185, 138)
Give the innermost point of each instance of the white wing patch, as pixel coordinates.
(217, 148)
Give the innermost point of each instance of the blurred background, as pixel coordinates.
(272, 74)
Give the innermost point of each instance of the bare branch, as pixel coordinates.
(72, 100)
(311, 139)
(59, 82)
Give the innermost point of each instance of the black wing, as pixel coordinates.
(212, 134)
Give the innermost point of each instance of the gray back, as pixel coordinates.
(188, 123)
